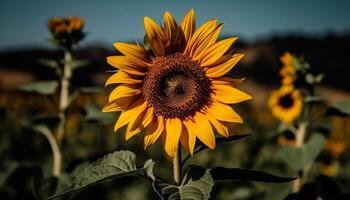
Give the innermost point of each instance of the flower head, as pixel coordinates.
(287, 137)
(286, 103)
(176, 90)
(66, 31)
(288, 71)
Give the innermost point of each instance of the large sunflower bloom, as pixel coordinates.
(286, 103)
(176, 91)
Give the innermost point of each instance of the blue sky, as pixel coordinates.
(23, 23)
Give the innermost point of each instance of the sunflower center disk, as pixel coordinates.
(176, 86)
(286, 101)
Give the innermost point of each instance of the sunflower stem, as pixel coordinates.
(64, 94)
(299, 143)
(57, 156)
(177, 162)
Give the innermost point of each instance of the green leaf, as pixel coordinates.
(7, 169)
(114, 165)
(75, 64)
(44, 187)
(310, 79)
(93, 114)
(41, 87)
(219, 140)
(197, 185)
(313, 99)
(53, 64)
(340, 109)
(278, 191)
(89, 90)
(222, 173)
(298, 158)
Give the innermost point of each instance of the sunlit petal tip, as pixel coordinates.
(111, 107)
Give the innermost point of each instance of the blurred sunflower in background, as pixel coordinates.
(176, 90)
(66, 31)
(288, 71)
(286, 104)
(287, 137)
(329, 158)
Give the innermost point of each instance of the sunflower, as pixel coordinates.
(176, 91)
(286, 103)
(286, 138)
(335, 147)
(288, 71)
(66, 31)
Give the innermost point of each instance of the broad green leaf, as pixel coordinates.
(41, 87)
(278, 191)
(197, 185)
(113, 165)
(219, 140)
(340, 108)
(42, 188)
(298, 158)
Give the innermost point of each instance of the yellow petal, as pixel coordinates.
(112, 107)
(155, 36)
(205, 29)
(188, 25)
(215, 51)
(134, 51)
(205, 41)
(133, 110)
(225, 67)
(173, 128)
(219, 127)
(224, 80)
(123, 77)
(125, 102)
(204, 131)
(223, 112)
(228, 94)
(153, 131)
(130, 133)
(135, 124)
(191, 130)
(124, 90)
(170, 26)
(148, 117)
(129, 65)
(185, 140)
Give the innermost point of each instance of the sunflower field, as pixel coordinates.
(174, 101)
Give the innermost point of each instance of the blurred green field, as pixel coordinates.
(26, 155)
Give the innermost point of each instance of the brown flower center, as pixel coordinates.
(286, 101)
(176, 86)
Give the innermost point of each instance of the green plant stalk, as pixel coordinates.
(299, 143)
(57, 157)
(64, 94)
(177, 164)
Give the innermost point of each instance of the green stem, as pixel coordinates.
(299, 143)
(64, 94)
(178, 167)
(57, 157)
